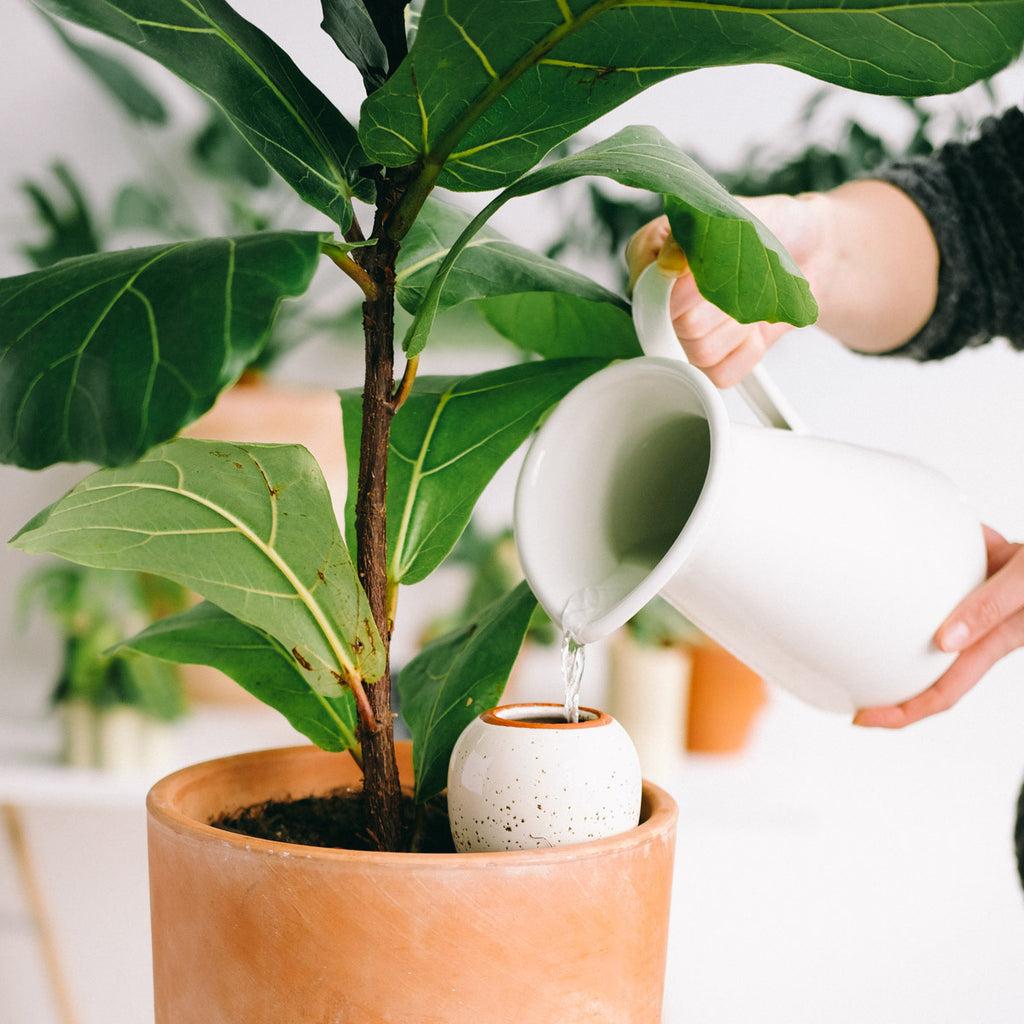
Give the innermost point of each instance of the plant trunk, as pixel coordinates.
(381, 786)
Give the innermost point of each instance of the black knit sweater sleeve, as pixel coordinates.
(972, 194)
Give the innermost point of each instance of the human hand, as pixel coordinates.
(725, 349)
(984, 627)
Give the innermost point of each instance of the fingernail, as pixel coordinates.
(954, 637)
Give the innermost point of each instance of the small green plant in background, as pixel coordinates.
(105, 358)
(95, 611)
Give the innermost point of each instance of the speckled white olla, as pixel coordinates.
(516, 783)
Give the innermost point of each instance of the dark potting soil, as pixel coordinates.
(338, 820)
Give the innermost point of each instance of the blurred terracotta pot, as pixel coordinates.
(258, 931)
(726, 698)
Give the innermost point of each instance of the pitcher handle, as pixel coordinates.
(658, 338)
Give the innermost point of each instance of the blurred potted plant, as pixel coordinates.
(104, 358)
(115, 706)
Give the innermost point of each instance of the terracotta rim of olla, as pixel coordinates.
(496, 716)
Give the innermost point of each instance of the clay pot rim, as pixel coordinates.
(659, 814)
(498, 716)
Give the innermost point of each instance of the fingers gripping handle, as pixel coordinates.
(658, 338)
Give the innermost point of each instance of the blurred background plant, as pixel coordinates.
(93, 611)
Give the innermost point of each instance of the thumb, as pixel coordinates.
(671, 258)
(990, 604)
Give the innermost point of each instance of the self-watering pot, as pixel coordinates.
(824, 566)
(522, 777)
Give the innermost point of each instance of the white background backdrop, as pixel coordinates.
(829, 873)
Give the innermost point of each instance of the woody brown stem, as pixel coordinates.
(381, 786)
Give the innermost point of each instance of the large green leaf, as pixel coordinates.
(490, 88)
(489, 265)
(286, 118)
(249, 527)
(208, 635)
(556, 326)
(742, 267)
(457, 677)
(103, 356)
(447, 441)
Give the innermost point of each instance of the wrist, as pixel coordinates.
(874, 268)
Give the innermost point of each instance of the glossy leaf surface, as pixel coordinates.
(103, 356)
(556, 326)
(208, 635)
(491, 88)
(457, 677)
(489, 265)
(282, 115)
(742, 267)
(249, 527)
(447, 442)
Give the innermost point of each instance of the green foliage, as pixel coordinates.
(457, 677)
(559, 326)
(488, 89)
(495, 266)
(120, 81)
(66, 218)
(283, 116)
(447, 442)
(491, 562)
(250, 528)
(257, 661)
(94, 611)
(599, 228)
(759, 281)
(371, 35)
(104, 356)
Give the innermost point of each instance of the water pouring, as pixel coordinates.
(824, 566)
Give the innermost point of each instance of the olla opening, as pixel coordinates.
(543, 716)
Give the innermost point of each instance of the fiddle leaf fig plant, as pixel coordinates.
(106, 358)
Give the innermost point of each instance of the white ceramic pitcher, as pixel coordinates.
(824, 566)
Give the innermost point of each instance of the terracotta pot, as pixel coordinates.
(726, 698)
(247, 930)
